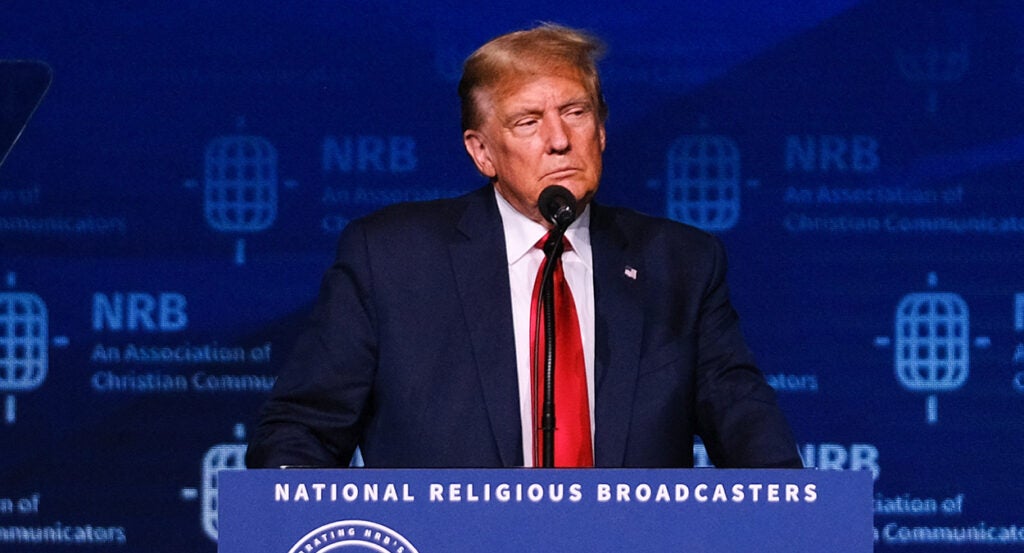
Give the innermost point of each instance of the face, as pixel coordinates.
(543, 131)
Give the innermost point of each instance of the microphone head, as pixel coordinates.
(557, 205)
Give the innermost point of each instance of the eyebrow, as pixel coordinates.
(580, 100)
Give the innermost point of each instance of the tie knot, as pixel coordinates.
(547, 244)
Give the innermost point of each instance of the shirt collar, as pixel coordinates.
(522, 233)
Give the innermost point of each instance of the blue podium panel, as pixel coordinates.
(560, 510)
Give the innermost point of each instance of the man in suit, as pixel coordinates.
(419, 348)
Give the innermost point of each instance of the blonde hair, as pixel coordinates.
(543, 50)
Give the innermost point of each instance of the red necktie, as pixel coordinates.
(572, 411)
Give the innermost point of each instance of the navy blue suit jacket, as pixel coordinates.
(410, 353)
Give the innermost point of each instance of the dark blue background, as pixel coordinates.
(930, 91)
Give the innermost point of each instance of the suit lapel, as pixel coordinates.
(618, 329)
(481, 275)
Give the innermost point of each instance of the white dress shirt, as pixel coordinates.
(521, 234)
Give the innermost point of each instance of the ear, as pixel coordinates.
(600, 131)
(476, 147)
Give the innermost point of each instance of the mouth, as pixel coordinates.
(561, 173)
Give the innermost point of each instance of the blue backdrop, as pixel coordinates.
(167, 214)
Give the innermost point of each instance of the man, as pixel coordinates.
(419, 351)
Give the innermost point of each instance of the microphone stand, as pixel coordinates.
(557, 205)
(553, 249)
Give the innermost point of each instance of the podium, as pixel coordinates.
(544, 510)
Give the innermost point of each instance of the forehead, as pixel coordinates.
(566, 85)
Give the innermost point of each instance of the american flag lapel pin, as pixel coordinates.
(630, 273)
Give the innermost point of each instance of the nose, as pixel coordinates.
(556, 134)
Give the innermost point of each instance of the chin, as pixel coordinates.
(578, 189)
(583, 193)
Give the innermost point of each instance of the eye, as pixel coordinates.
(576, 112)
(526, 126)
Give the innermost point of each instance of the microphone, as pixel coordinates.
(557, 205)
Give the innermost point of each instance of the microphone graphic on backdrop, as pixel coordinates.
(23, 337)
(240, 186)
(932, 345)
(702, 182)
(225, 456)
(24, 342)
(933, 67)
(934, 49)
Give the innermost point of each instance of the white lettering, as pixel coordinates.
(622, 493)
(719, 495)
(792, 493)
(455, 492)
(318, 490)
(811, 493)
(643, 493)
(575, 493)
(682, 492)
(700, 493)
(737, 493)
(535, 492)
(756, 490)
(350, 492)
